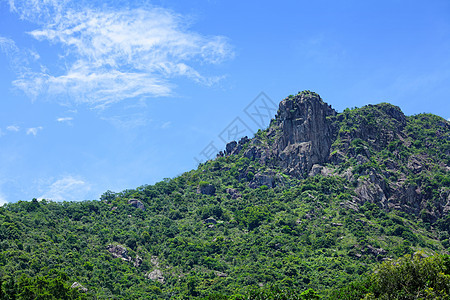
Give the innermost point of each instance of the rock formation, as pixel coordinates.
(307, 134)
(136, 203)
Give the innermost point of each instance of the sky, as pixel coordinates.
(112, 95)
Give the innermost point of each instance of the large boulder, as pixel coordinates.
(118, 251)
(156, 275)
(300, 136)
(137, 204)
(79, 287)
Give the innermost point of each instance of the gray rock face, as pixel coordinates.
(119, 251)
(303, 134)
(262, 179)
(138, 261)
(268, 178)
(78, 286)
(156, 275)
(300, 136)
(303, 119)
(372, 189)
(318, 169)
(230, 147)
(136, 203)
(234, 147)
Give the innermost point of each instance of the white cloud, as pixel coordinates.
(7, 45)
(64, 119)
(34, 130)
(19, 60)
(68, 188)
(13, 128)
(116, 54)
(2, 201)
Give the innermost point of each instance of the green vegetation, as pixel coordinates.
(409, 277)
(306, 237)
(47, 287)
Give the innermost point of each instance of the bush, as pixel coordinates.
(410, 277)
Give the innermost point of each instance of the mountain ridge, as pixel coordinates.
(313, 201)
(304, 136)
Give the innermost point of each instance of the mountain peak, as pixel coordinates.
(302, 132)
(368, 146)
(300, 136)
(303, 99)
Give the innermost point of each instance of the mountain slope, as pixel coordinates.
(313, 201)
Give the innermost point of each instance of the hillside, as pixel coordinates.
(313, 201)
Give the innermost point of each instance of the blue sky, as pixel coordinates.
(98, 96)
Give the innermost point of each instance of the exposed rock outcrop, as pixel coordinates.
(299, 137)
(78, 286)
(136, 203)
(119, 251)
(308, 137)
(156, 275)
(137, 261)
(303, 133)
(268, 178)
(318, 169)
(372, 189)
(234, 147)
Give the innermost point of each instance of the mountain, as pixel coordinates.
(310, 203)
(395, 161)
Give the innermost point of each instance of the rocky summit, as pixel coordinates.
(300, 136)
(308, 137)
(321, 204)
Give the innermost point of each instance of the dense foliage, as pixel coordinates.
(409, 277)
(303, 235)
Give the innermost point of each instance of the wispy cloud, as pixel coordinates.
(128, 121)
(34, 130)
(19, 60)
(8, 46)
(68, 188)
(115, 54)
(13, 128)
(166, 125)
(64, 119)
